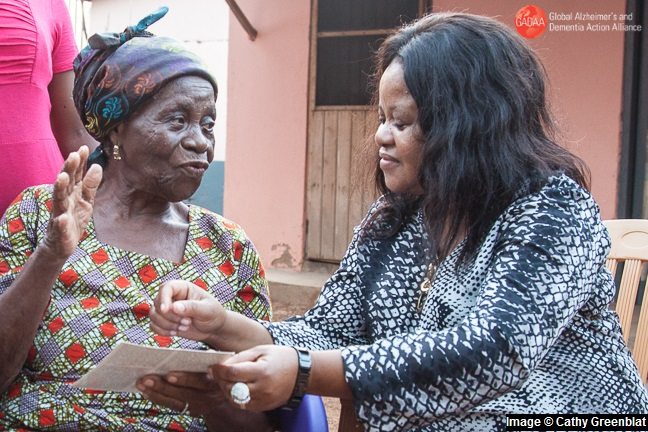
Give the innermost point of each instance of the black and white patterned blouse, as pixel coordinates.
(524, 328)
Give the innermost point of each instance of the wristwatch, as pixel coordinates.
(303, 374)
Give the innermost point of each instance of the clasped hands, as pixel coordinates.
(186, 310)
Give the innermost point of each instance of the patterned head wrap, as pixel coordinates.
(116, 73)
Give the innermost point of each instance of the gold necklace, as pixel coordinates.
(426, 284)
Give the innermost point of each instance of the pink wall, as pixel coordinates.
(267, 110)
(266, 129)
(585, 71)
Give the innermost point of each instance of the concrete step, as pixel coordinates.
(296, 288)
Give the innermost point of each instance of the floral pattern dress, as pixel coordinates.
(101, 298)
(524, 327)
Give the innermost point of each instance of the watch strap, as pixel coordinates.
(303, 374)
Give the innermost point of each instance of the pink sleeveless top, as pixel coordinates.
(36, 41)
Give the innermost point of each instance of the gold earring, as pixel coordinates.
(116, 154)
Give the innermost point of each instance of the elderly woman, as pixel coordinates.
(82, 259)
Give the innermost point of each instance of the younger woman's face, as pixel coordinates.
(398, 135)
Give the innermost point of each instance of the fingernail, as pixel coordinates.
(180, 307)
(148, 383)
(172, 379)
(185, 321)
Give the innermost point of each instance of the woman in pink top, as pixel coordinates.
(38, 123)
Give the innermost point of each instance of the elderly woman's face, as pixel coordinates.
(398, 135)
(168, 144)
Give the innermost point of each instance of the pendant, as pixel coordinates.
(424, 288)
(426, 285)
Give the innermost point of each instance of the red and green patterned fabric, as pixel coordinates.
(101, 298)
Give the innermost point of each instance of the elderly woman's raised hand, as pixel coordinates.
(184, 309)
(72, 203)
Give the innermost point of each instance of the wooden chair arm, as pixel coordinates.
(348, 420)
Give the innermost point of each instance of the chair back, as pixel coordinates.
(309, 416)
(630, 246)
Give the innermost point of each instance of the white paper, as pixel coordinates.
(128, 362)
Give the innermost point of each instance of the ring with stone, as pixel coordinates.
(240, 394)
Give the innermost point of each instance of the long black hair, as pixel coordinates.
(487, 128)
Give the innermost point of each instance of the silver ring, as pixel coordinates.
(185, 409)
(240, 394)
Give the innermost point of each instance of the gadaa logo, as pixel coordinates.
(530, 21)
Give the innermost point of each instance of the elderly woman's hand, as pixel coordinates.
(197, 395)
(195, 391)
(72, 203)
(184, 309)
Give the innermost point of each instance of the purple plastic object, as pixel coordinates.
(309, 416)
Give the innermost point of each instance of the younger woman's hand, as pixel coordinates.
(270, 372)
